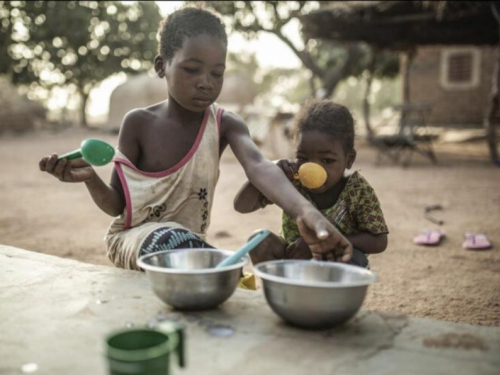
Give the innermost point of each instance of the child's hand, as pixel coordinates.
(67, 170)
(323, 238)
(288, 167)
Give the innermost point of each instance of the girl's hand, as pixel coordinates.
(323, 238)
(67, 170)
(288, 167)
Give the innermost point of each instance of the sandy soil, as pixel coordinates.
(446, 282)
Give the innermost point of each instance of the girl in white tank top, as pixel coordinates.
(168, 209)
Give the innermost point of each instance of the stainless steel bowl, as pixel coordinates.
(187, 280)
(313, 294)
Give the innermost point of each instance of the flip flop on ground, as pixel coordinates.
(476, 241)
(429, 237)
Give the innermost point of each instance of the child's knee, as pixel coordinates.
(359, 258)
(271, 248)
(298, 250)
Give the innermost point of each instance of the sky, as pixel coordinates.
(269, 51)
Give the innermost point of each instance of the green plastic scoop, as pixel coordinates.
(245, 249)
(93, 151)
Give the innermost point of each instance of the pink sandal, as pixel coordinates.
(476, 241)
(429, 237)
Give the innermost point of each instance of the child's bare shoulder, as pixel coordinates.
(231, 121)
(140, 118)
(136, 129)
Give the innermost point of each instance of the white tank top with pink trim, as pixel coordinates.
(181, 196)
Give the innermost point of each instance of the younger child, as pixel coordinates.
(167, 162)
(324, 133)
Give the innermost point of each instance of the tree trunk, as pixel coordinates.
(492, 114)
(406, 76)
(312, 85)
(83, 107)
(366, 102)
(332, 79)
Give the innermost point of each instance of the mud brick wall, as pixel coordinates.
(465, 107)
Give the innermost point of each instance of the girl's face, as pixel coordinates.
(323, 149)
(196, 72)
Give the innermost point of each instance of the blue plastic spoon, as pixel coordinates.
(242, 251)
(93, 151)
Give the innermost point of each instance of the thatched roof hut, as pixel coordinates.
(403, 25)
(407, 25)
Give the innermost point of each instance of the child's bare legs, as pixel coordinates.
(274, 248)
(271, 248)
(298, 250)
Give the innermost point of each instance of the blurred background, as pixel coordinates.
(82, 63)
(90, 76)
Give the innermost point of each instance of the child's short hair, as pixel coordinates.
(328, 117)
(184, 23)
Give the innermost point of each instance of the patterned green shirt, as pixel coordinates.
(357, 210)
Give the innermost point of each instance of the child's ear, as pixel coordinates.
(159, 68)
(351, 157)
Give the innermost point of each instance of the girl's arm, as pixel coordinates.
(106, 197)
(319, 234)
(109, 198)
(368, 243)
(249, 198)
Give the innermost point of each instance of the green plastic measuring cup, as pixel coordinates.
(144, 351)
(94, 151)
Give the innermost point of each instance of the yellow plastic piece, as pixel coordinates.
(247, 281)
(311, 175)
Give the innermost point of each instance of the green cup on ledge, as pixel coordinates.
(145, 351)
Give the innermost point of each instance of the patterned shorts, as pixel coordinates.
(171, 238)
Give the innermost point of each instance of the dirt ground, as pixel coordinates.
(446, 282)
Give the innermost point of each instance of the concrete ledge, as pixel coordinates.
(56, 312)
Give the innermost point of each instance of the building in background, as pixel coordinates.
(455, 81)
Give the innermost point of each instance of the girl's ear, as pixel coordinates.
(351, 157)
(159, 66)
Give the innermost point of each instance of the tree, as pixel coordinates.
(329, 63)
(269, 82)
(492, 115)
(76, 43)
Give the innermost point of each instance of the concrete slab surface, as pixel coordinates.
(55, 313)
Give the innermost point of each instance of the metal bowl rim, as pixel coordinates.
(148, 267)
(320, 284)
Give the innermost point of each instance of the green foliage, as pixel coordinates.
(76, 43)
(250, 17)
(324, 59)
(330, 54)
(387, 65)
(245, 64)
(288, 83)
(385, 93)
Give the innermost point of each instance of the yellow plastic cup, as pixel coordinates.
(311, 175)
